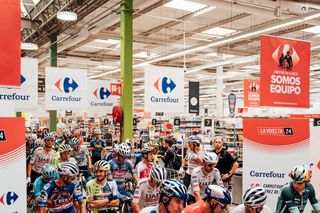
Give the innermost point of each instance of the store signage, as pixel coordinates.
(24, 98)
(10, 43)
(159, 113)
(316, 122)
(194, 97)
(285, 72)
(12, 156)
(251, 92)
(176, 122)
(304, 115)
(232, 98)
(135, 121)
(99, 97)
(116, 89)
(154, 121)
(276, 145)
(164, 89)
(208, 122)
(66, 88)
(68, 112)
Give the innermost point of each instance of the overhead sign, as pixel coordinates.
(276, 145)
(285, 72)
(316, 122)
(12, 156)
(176, 121)
(100, 98)
(194, 97)
(208, 122)
(24, 98)
(116, 89)
(66, 88)
(232, 98)
(251, 92)
(10, 43)
(164, 89)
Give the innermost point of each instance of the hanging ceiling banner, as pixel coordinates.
(24, 98)
(66, 89)
(285, 72)
(251, 93)
(232, 99)
(164, 89)
(100, 98)
(10, 43)
(194, 97)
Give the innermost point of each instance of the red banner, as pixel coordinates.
(285, 72)
(116, 89)
(251, 92)
(10, 44)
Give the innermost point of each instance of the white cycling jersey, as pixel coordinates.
(40, 158)
(200, 181)
(143, 170)
(192, 163)
(150, 209)
(81, 156)
(145, 195)
(241, 209)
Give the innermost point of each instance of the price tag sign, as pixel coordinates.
(2, 136)
(154, 121)
(176, 122)
(316, 122)
(207, 122)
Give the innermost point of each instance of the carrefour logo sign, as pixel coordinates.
(101, 94)
(165, 86)
(66, 85)
(15, 96)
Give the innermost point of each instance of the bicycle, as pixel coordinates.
(125, 204)
(31, 201)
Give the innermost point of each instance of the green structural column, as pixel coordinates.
(126, 67)
(18, 114)
(53, 63)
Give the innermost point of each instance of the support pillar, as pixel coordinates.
(126, 100)
(219, 91)
(53, 63)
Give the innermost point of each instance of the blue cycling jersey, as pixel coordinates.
(39, 184)
(60, 199)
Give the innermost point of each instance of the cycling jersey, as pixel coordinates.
(143, 170)
(192, 163)
(119, 172)
(200, 181)
(241, 209)
(150, 209)
(59, 199)
(81, 156)
(29, 148)
(59, 141)
(145, 195)
(97, 151)
(197, 207)
(39, 184)
(98, 192)
(290, 201)
(40, 157)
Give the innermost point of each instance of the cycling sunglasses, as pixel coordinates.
(250, 208)
(211, 164)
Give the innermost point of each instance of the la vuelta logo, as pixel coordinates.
(102, 94)
(66, 85)
(8, 198)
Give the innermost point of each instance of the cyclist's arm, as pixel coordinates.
(184, 161)
(135, 178)
(114, 202)
(313, 200)
(285, 200)
(31, 162)
(217, 177)
(79, 196)
(42, 200)
(97, 203)
(195, 185)
(136, 198)
(37, 187)
(88, 158)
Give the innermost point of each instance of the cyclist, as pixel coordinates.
(217, 201)
(147, 192)
(65, 154)
(97, 146)
(254, 200)
(112, 154)
(143, 167)
(66, 136)
(102, 191)
(38, 143)
(120, 166)
(82, 156)
(204, 176)
(173, 198)
(29, 144)
(63, 194)
(41, 156)
(295, 195)
(48, 174)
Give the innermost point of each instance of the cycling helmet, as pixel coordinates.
(158, 173)
(102, 165)
(210, 157)
(68, 169)
(48, 171)
(124, 149)
(97, 132)
(51, 135)
(255, 197)
(115, 148)
(219, 194)
(65, 148)
(194, 139)
(34, 137)
(173, 188)
(146, 149)
(66, 132)
(299, 174)
(39, 143)
(29, 137)
(128, 141)
(74, 141)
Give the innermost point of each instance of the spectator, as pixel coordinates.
(97, 146)
(168, 155)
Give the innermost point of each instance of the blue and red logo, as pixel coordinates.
(164, 85)
(9, 198)
(67, 85)
(22, 79)
(101, 93)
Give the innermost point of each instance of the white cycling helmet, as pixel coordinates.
(299, 174)
(219, 194)
(66, 132)
(255, 197)
(210, 157)
(97, 132)
(158, 173)
(124, 150)
(39, 143)
(194, 139)
(74, 141)
(65, 148)
(29, 137)
(146, 148)
(51, 135)
(173, 188)
(68, 169)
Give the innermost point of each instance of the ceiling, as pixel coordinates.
(198, 35)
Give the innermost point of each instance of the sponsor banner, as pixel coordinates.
(100, 98)
(66, 89)
(194, 97)
(164, 89)
(304, 115)
(285, 72)
(116, 89)
(315, 158)
(271, 148)
(251, 92)
(12, 156)
(10, 43)
(24, 98)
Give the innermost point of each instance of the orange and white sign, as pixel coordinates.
(285, 72)
(251, 93)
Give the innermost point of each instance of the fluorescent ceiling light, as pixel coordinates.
(36, 2)
(67, 16)
(185, 5)
(108, 41)
(28, 46)
(23, 10)
(144, 55)
(204, 10)
(219, 31)
(315, 29)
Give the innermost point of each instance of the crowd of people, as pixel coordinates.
(66, 175)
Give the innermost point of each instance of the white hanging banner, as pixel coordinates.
(164, 89)
(66, 88)
(99, 97)
(24, 98)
